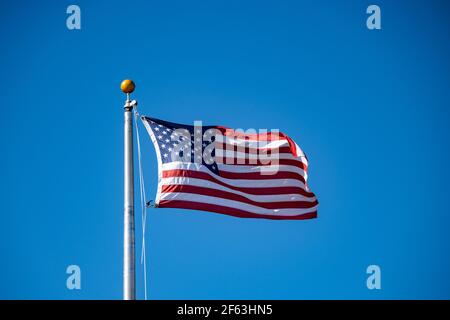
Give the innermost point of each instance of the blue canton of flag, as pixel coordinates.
(176, 141)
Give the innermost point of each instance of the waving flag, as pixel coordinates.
(242, 174)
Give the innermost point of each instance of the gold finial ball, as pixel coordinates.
(127, 86)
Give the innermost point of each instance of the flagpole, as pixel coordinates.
(129, 278)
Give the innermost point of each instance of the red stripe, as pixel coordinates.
(249, 150)
(179, 188)
(270, 136)
(230, 211)
(255, 191)
(292, 146)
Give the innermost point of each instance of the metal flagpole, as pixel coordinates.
(129, 291)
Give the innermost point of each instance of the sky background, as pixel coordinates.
(369, 108)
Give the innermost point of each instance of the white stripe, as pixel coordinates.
(299, 151)
(234, 204)
(253, 143)
(258, 198)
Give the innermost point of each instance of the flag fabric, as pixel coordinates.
(242, 174)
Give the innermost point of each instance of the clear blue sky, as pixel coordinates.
(369, 108)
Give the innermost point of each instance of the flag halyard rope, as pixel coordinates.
(144, 204)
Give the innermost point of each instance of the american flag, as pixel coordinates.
(242, 174)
